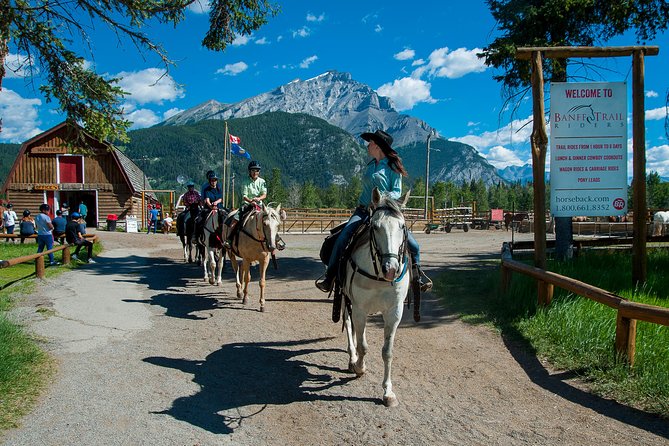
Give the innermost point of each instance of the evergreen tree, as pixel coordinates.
(276, 192)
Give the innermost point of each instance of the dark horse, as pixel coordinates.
(514, 220)
(186, 232)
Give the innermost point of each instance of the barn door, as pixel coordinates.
(70, 169)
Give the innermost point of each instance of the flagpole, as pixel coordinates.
(225, 152)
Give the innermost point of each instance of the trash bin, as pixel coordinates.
(111, 222)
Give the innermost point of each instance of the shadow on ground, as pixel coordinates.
(219, 407)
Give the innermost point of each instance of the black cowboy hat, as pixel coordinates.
(381, 138)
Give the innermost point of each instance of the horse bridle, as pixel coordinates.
(378, 256)
(262, 235)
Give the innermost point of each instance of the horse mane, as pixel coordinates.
(390, 204)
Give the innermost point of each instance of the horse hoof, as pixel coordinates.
(245, 301)
(211, 281)
(351, 367)
(262, 309)
(391, 401)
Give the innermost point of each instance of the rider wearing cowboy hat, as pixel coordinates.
(385, 172)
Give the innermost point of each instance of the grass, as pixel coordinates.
(24, 367)
(575, 333)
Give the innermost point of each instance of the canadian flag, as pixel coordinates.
(235, 139)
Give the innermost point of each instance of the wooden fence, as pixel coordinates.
(39, 257)
(627, 312)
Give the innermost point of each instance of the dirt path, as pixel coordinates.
(149, 354)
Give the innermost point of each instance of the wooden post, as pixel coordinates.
(39, 267)
(539, 141)
(626, 338)
(639, 169)
(66, 255)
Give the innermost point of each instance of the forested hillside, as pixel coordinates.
(8, 154)
(304, 148)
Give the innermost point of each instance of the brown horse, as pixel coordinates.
(255, 243)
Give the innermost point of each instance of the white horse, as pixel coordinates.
(377, 279)
(255, 243)
(660, 220)
(212, 239)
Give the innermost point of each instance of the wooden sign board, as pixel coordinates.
(48, 150)
(45, 187)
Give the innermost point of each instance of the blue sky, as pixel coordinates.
(421, 55)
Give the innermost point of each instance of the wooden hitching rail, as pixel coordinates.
(628, 312)
(39, 257)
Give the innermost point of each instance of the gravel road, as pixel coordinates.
(151, 355)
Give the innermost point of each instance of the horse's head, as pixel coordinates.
(271, 222)
(388, 234)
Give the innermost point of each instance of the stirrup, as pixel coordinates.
(324, 285)
(423, 281)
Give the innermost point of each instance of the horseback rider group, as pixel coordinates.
(384, 172)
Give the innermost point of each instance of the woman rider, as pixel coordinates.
(384, 171)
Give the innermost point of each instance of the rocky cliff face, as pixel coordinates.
(355, 107)
(332, 96)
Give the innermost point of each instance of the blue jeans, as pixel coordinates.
(359, 216)
(45, 241)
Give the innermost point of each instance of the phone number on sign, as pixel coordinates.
(584, 207)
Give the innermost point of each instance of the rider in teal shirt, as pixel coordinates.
(384, 172)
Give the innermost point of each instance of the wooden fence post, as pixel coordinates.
(66, 255)
(39, 267)
(626, 338)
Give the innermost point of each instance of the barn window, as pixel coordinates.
(70, 169)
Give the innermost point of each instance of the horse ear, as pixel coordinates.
(376, 196)
(404, 200)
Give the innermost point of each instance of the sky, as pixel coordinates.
(423, 57)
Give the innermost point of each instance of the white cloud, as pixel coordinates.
(241, 40)
(308, 61)
(200, 7)
(516, 132)
(313, 18)
(279, 38)
(262, 41)
(405, 54)
(302, 32)
(233, 69)
(20, 120)
(171, 112)
(472, 124)
(407, 92)
(378, 28)
(501, 157)
(17, 66)
(417, 62)
(142, 118)
(657, 160)
(453, 64)
(651, 94)
(151, 85)
(656, 114)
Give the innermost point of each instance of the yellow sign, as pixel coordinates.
(45, 187)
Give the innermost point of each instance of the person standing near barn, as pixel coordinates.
(44, 231)
(83, 210)
(385, 172)
(9, 218)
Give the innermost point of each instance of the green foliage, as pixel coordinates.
(44, 30)
(657, 192)
(560, 23)
(303, 148)
(576, 333)
(8, 154)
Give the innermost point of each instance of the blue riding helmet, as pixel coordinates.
(76, 215)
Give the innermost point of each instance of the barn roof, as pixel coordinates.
(134, 176)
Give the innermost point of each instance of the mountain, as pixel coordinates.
(449, 161)
(514, 174)
(304, 147)
(332, 96)
(356, 108)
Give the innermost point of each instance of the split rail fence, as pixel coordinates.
(627, 312)
(39, 257)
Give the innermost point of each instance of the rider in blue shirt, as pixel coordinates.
(212, 193)
(385, 172)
